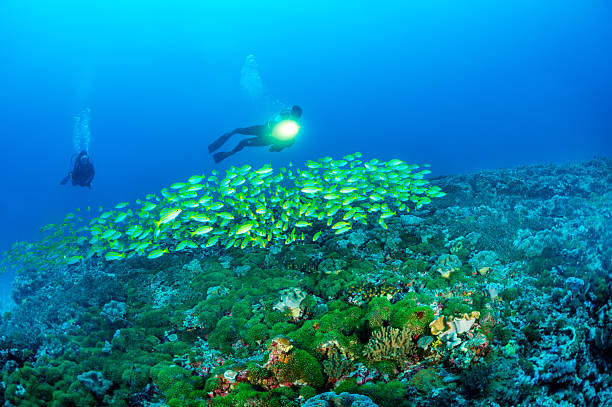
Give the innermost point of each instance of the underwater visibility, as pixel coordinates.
(306, 205)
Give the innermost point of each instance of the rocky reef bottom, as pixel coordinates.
(498, 294)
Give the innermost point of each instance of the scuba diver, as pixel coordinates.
(278, 133)
(82, 172)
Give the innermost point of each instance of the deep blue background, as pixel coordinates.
(462, 85)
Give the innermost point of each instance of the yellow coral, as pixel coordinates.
(483, 270)
(437, 326)
(281, 344)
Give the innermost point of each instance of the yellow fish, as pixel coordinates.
(157, 253)
(168, 216)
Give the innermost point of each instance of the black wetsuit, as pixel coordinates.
(262, 137)
(82, 173)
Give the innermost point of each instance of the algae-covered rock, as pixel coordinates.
(95, 382)
(411, 266)
(127, 339)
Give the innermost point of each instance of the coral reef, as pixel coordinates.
(497, 294)
(339, 400)
(389, 344)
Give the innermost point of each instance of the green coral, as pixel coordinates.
(133, 338)
(257, 375)
(301, 368)
(411, 266)
(242, 310)
(393, 393)
(224, 334)
(307, 392)
(426, 380)
(256, 335)
(414, 319)
(378, 312)
(345, 320)
(456, 307)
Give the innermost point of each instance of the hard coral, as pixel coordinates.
(452, 325)
(484, 261)
(290, 300)
(378, 312)
(279, 349)
(447, 264)
(463, 324)
(299, 368)
(367, 291)
(337, 367)
(344, 399)
(437, 326)
(389, 344)
(414, 319)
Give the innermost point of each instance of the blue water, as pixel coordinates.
(463, 86)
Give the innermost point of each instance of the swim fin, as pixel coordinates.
(218, 142)
(221, 156)
(65, 179)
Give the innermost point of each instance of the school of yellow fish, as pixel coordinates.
(247, 208)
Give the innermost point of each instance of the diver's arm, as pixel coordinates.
(72, 157)
(281, 115)
(66, 178)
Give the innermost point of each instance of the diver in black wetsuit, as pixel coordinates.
(82, 172)
(269, 134)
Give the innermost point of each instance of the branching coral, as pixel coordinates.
(389, 344)
(337, 367)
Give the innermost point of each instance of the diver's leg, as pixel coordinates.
(221, 140)
(257, 130)
(220, 156)
(247, 142)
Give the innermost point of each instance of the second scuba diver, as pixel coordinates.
(82, 172)
(278, 133)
